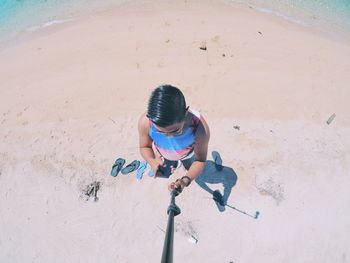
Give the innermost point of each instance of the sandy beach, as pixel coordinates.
(71, 96)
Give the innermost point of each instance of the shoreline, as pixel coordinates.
(309, 37)
(54, 24)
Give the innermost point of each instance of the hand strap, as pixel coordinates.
(188, 178)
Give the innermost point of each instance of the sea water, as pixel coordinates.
(328, 14)
(17, 16)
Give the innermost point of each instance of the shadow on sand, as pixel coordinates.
(215, 173)
(211, 175)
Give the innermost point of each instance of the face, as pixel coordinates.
(171, 130)
(174, 129)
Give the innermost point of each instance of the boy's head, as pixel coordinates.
(166, 106)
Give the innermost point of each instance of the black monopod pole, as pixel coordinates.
(173, 210)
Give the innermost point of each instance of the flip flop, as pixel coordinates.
(150, 173)
(131, 167)
(117, 166)
(141, 170)
(217, 160)
(219, 200)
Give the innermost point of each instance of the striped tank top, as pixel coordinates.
(179, 146)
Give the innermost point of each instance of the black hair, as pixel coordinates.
(166, 106)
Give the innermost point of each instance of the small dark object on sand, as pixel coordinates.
(257, 213)
(330, 119)
(203, 46)
(236, 127)
(259, 32)
(223, 55)
(91, 190)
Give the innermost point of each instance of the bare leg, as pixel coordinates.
(188, 162)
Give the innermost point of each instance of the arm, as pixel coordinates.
(200, 151)
(145, 143)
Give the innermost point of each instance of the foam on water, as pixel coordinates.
(327, 14)
(22, 15)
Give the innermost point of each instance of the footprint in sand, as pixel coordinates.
(6, 113)
(271, 188)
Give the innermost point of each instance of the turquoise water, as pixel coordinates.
(23, 15)
(27, 15)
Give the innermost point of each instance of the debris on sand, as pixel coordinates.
(260, 32)
(193, 240)
(91, 191)
(330, 119)
(188, 230)
(237, 127)
(203, 46)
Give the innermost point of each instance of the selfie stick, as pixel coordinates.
(173, 210)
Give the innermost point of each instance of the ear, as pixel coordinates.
(186, 112)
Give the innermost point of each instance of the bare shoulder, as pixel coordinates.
(202, 140)
(203, 130)
(143, 124)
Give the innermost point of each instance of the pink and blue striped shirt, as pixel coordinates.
(179, 146)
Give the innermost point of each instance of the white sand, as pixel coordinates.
(70, 99)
